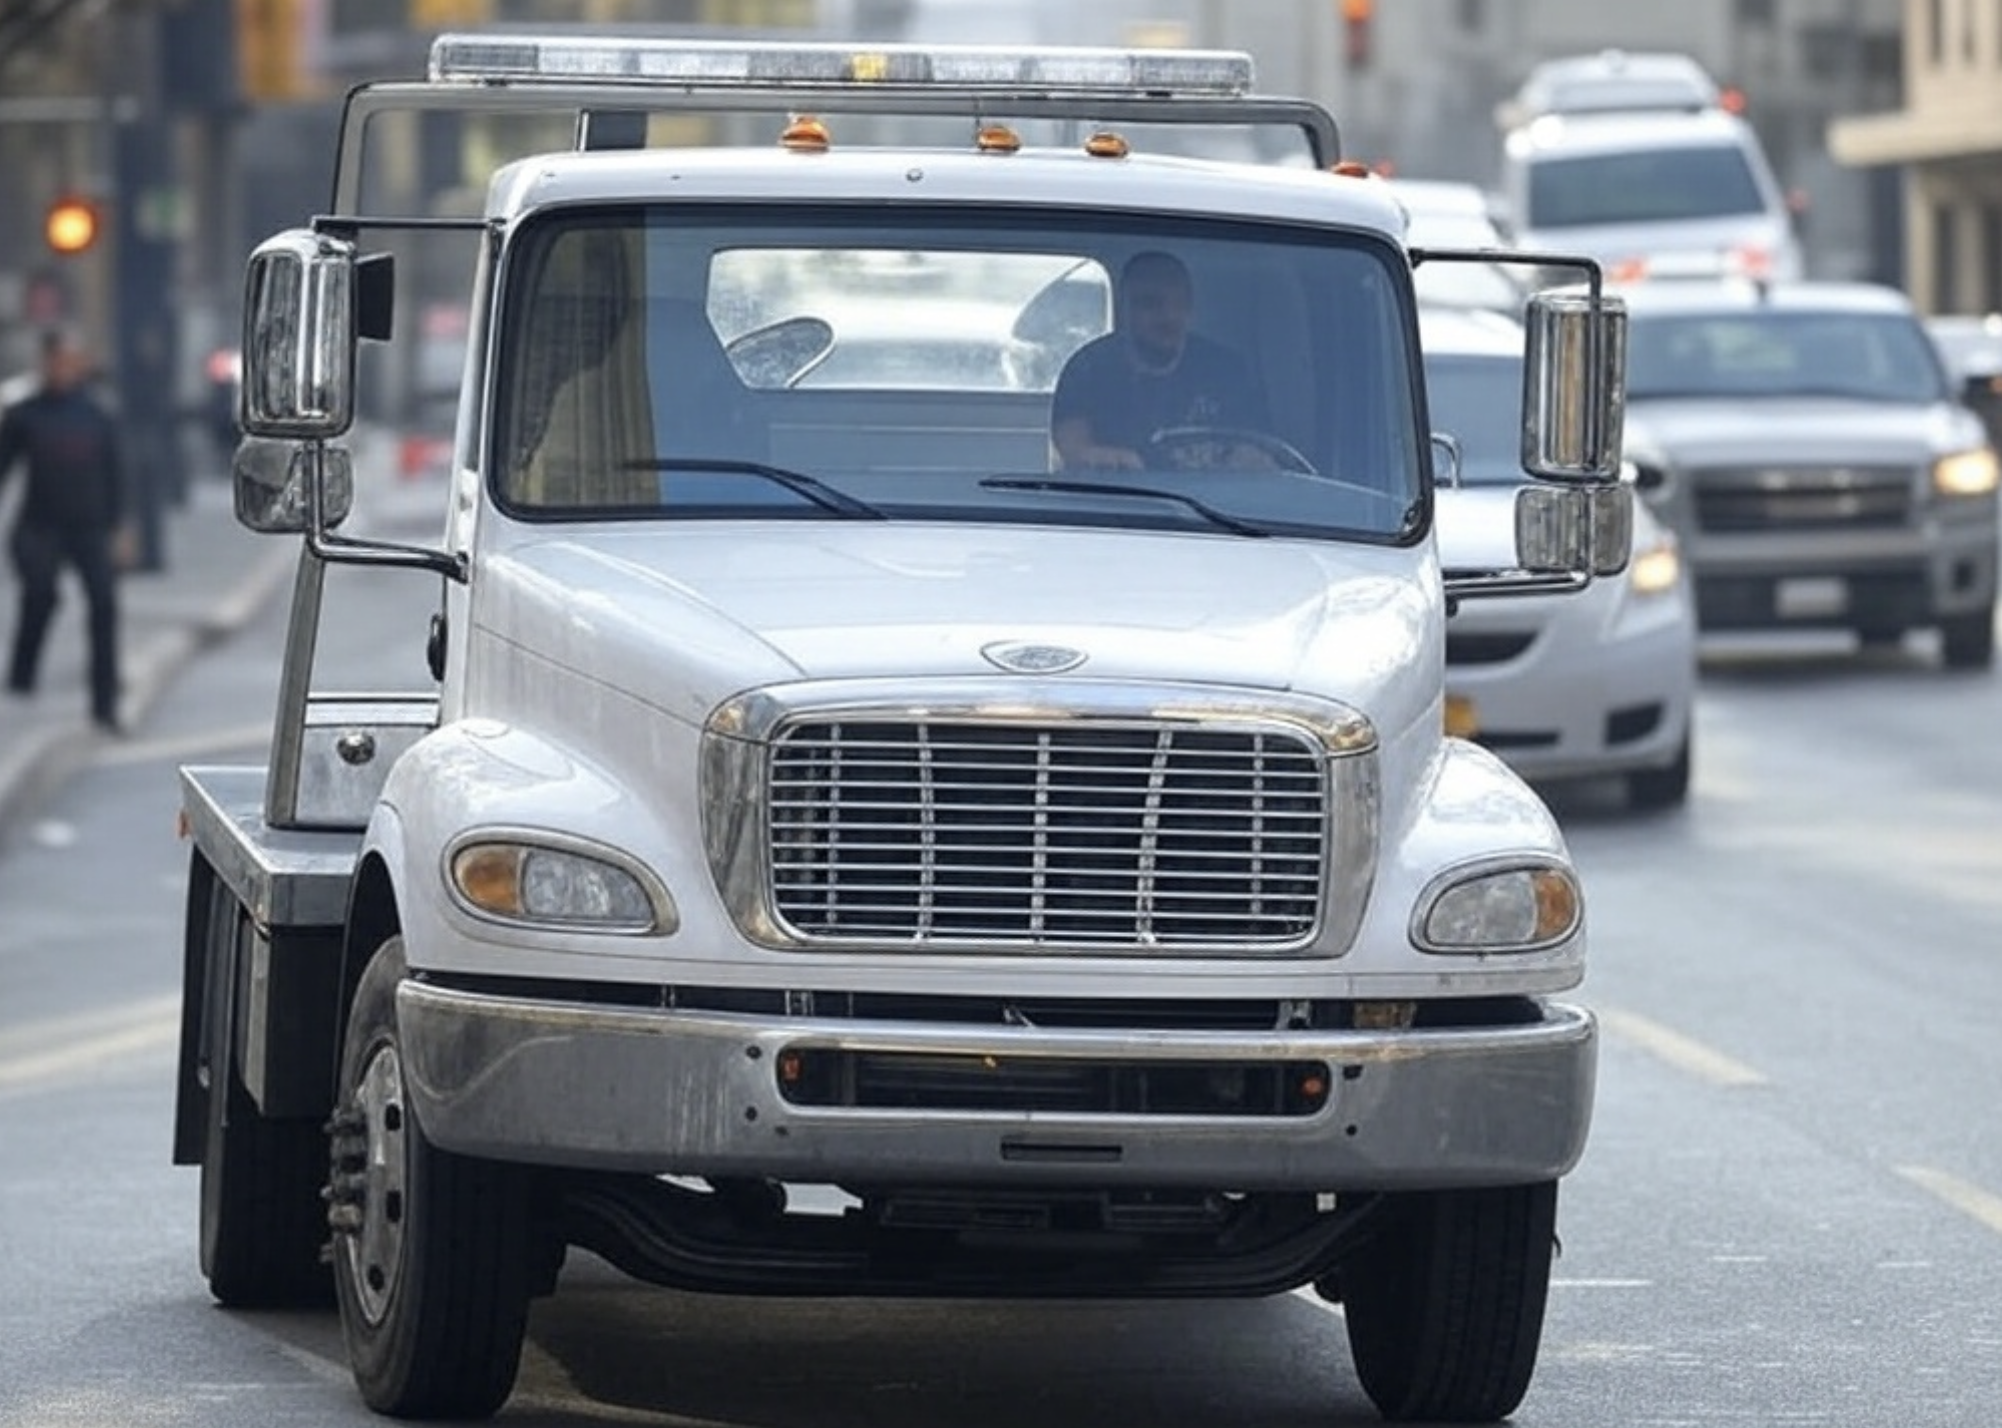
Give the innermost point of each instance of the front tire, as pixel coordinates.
(1654, 790)
(430, 1251)
(1968, 641)
(1445, 1303)
(262, 1223)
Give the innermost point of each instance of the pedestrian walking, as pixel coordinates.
(72, 514)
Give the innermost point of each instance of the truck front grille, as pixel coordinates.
(1031, 835)
(1747, 498)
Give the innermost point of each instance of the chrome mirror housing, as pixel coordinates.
(1574, 529)
(272, 485)
(1574, 386)
(298, 337)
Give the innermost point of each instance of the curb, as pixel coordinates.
(35, 766)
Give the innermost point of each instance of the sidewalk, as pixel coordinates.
(218, 576)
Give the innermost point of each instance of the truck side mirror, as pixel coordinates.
(272, 494)
(299, 337)
(1574, 386)
(1569, 529)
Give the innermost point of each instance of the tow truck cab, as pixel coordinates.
(846, 849)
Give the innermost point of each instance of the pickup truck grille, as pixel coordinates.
(1029, 834)
(1754, 498)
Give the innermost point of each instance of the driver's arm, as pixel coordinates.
(1077, 450)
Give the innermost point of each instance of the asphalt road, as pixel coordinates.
(1790, 1211)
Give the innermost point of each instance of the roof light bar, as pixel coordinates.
(501, 58)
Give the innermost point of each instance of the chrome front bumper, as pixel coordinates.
(696, 1093)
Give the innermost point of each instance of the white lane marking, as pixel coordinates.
(318, 1365)
(66, 1048)
(1602, 1284)
(1685, 1053)
(183, 746)
(1970, 1200)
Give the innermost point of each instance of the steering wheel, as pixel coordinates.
(1183, 448)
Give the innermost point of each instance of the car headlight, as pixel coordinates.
(1656, 570)
(1966, 473)
(1523, 908)
(538, 885)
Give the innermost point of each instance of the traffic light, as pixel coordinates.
(1356, 19)
(71, 225)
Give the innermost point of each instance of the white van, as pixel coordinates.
(1651, 194)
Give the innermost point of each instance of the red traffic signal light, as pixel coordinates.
(71, 225)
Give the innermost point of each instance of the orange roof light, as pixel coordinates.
(805, 135)
(1349, 168)
(1107, 145)
(997, 139)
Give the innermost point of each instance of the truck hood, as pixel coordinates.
(1796, 430)
(684, 617)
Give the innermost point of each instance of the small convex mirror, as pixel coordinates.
(271, 484)
(298, 337)
(1574, 386)
(1574, 529)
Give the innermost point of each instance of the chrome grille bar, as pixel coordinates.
(1030, 834)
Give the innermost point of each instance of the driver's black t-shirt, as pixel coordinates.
(1126, 405)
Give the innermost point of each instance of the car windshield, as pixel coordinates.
(660, 363)
(1650, 185)
(1884, 357)
(1477, 401)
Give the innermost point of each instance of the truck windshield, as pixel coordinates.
(1262, 377)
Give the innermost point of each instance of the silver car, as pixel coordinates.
(1560, 686)
(1811, 450)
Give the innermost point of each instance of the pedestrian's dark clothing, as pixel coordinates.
(69, 515)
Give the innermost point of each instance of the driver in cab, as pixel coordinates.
(1151, 375)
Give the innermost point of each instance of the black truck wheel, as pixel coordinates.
(1445, 1303)
(263, 1224)
(1968, 641)
(430, 1249)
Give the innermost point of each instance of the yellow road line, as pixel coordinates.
(1682, 1052)
(1970, 1200)
(48, 1052)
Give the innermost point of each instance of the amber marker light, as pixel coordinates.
(1461, 720)
(805, 135)
(1349, 168)
(1107, 145)
(997, 139)
(1557, 909)
(489, 875)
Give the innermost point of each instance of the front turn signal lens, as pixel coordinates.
(552, 887)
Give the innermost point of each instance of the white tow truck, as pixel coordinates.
(842, 850)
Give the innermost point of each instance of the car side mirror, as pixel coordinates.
(1574, 386)
(273, 494)
(298, 352)
(1571, 529)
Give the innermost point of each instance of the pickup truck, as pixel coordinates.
(843, 848)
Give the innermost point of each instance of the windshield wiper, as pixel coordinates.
(1113, 488)
(807, 488)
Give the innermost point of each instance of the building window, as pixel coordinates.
(1991, 258)
(1945, 258)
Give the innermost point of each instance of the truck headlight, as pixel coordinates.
(539, 885)
(1523, 908)
(1966, 473)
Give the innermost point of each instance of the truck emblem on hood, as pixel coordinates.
(1021, 658)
